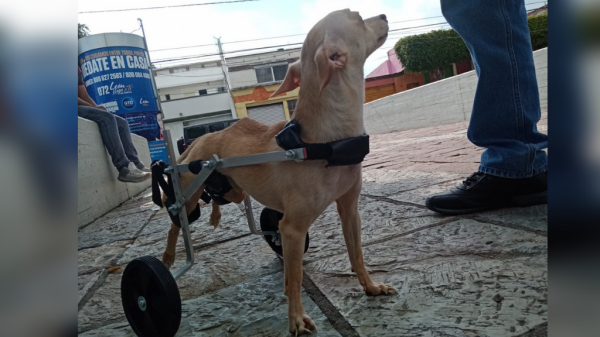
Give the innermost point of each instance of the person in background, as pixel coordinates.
(506, 110)
(115, 136)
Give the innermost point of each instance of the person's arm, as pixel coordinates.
(83, 95)
(84, 99)
(82, 102)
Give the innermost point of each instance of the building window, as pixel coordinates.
(187, 68)
(168, 97)
(202, 92)
(292, 106)
(264, 75)
(221, 89)
(271, 73)
(171, 71)
(279, 72)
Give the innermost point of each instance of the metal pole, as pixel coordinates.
(185, 229)
(226, 77)
(156, 95)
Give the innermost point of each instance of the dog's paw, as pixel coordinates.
(215, 219)
(376, 289)
(301, 325)
(168, 260)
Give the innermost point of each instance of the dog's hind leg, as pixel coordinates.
(215, 215)
(168, 257)
(347, 206)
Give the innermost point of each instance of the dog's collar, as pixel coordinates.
(349, 151)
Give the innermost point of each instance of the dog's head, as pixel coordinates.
(339, 43)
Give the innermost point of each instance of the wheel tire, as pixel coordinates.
(150, 298)
(269, 221)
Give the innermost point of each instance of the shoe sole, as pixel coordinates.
(519, 201)
(134, 181)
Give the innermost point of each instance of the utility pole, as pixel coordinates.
(150, 66)
(226, 77)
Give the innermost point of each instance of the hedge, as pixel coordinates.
(429, 51)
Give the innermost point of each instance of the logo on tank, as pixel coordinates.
(128, 103)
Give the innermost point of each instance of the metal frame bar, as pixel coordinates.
(182, 197)
(180, 202)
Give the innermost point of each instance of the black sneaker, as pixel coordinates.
(482, 192)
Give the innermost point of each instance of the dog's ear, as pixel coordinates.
(330, 57)
(291, 80)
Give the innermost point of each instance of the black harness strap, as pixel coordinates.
(349, 151)
(158, 171)
(217, 184)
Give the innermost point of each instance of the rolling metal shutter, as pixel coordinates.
(267, 114)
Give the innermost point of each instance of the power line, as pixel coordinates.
(161, 7)
(227, 52)
(201, 45)
(264, 38)
(409, 28)
(431, 17)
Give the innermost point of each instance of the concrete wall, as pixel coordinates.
(243, 78)
(443, 102)
(176, 129)
(98, 189)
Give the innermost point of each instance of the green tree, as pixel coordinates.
(83, 30)
(438, 48)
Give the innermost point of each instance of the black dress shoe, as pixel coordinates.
(482, 192)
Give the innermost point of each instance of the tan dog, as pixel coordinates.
(330, 107)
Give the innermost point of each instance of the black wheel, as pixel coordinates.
(150, 298)
(269, 221)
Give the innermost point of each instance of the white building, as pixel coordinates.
(193, 94)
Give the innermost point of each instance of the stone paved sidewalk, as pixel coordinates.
(475, 275)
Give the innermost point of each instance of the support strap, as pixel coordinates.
(349, 151)
(217, 184)
(158, 171)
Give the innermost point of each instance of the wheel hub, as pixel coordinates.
(142, 303)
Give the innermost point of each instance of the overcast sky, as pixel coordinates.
(197, 25)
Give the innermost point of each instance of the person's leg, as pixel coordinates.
(507, 104)
(505, 111)
(130, 151)
(109, 132)
(125, 135)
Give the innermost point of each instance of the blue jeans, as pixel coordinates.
(507, 104)
(115, 134)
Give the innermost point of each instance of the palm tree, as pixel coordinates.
(83, 29)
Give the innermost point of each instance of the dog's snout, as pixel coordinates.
(383, 17)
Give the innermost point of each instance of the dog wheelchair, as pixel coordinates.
(149, 293)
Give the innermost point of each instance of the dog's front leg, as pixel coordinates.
(169, 255)
(347, 207)
(293, 234)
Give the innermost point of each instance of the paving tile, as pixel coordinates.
(534, 218)
(255, 308)
(109, 229)
(101, 257)
(153, 239)
(386, 182)
(215, 268)
(86, 282)
(380, 220)
(464, 278)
